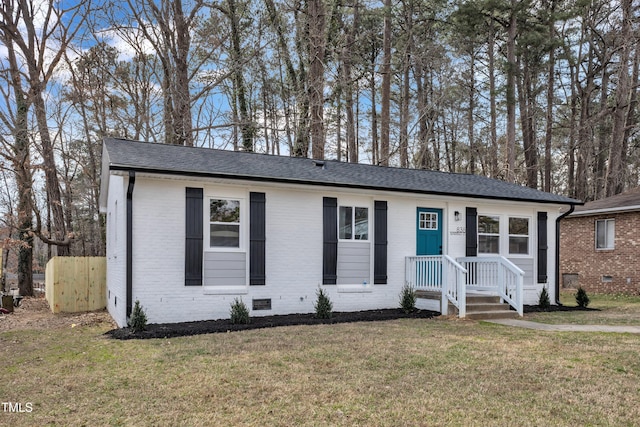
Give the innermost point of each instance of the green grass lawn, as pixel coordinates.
(406, 372)
(613, 310)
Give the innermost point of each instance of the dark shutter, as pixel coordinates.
(542, 247)
(193, 247)
(472, 232)
(256, 238)
(380, 243)
(329, 240)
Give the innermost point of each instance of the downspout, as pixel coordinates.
(558, 251)
(132, 182)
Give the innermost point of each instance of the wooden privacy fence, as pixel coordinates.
(74, 284)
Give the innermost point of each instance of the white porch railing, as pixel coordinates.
(438, 273)
(496, 275)
(441, 273)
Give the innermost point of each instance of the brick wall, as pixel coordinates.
(579, 256)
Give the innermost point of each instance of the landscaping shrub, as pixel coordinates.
(239, 312)
(408, 299)
(543, 299)
(582, 299)
(323, 305)
(138, 319)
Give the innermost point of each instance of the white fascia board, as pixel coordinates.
(606, 211)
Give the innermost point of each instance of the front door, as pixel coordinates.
(429, 231)
(429, 242)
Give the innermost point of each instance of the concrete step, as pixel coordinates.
(477, 299)
(486, 315)
(486, 306)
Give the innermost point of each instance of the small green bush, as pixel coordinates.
(239, 313)
(582, 299)
(323, 305)
(138, 319)
(408, 299)
(543, 299)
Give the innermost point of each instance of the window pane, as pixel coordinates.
(601, 234)
(224, 210)
(346, 222)
(488, 224)
(362, 224)
(518, 245)
(488, 244)
(222, 235)
(611, 233)
(428, 221)
(519, 226)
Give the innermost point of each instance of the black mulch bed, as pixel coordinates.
(554, 308)
(170, 330)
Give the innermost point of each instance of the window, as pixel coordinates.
(224, 223)
(519, 236)
(428, 221)
(353, 223)
(488, 234)
(605, 233)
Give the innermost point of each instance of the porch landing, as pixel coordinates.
(479, 306)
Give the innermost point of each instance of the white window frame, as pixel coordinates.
(499, 234)
(503, 235)
(427, 222)
(241, 223)
(353, 223)
(528, 236)
(609, 245)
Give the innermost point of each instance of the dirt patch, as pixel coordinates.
(34, 313)
(170, 330)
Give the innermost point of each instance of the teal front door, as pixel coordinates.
(429, 242)
(429, 231)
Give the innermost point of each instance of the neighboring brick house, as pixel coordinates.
(600, 245)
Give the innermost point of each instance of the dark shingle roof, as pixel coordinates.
(629, 200)
(180, 160)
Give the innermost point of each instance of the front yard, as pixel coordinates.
(400, 372)
(611, 310)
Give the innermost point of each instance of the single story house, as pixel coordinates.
(191, 229)
(600, 245)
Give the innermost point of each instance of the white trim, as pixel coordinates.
(225, 290)
(355, 289)
(243, 224)
(606, 211)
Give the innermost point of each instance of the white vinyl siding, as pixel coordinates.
(354, 263)
(225, 269)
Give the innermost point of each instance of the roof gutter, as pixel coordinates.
(557, 287)
(129, 260)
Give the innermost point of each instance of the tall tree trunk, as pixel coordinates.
(21, 161)
(615, 170)
(470, 112)
(548, 137)
(247, 128)
(526, 123)
(492, 102)
(385, 114)
(317, 40)
(511, 95)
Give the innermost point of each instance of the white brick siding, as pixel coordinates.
(293, 248)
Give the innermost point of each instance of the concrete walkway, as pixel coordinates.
(566, 328)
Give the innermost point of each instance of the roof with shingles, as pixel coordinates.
(627, 201)
(205, 162)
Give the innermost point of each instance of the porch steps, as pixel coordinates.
(479, 307)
